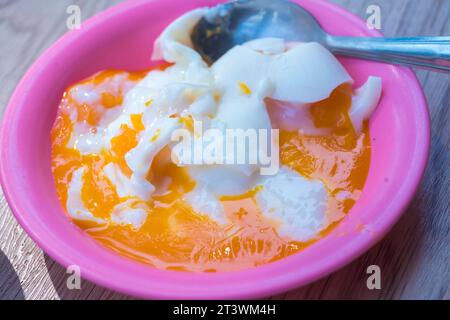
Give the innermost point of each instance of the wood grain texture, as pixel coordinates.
(414, 257)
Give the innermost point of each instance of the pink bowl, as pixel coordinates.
(121, 38)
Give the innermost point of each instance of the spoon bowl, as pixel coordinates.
(238, 22)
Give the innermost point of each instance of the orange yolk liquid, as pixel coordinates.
(176, 237)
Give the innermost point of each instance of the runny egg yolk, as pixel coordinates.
(176, 237)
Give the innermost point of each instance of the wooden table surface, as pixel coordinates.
(414, 257)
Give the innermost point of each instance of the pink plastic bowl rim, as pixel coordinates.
(107, 269)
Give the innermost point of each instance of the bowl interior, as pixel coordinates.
(122, 38)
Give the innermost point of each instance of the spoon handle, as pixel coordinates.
(432, 53)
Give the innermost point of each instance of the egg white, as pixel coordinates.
(298, 74)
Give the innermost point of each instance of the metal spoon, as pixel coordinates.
(237, 22)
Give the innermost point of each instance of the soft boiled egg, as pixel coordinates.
(117, 164)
